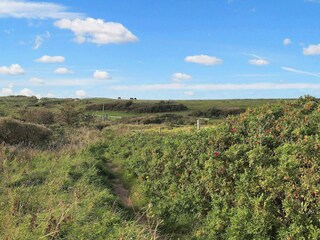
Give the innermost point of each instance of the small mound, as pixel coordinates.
(17, 132)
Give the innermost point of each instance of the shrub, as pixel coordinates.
(69, 115)
(17, 132)
(218, 112)
(2, 112)
(256, 176)
(142, 107)
(38, 116)
(159, 119)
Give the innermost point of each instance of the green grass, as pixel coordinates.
(13, 105)
(47, 195)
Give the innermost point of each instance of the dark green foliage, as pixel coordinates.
(257, 176)
(141, 107)
(38, 116)
(3, 113)
(17, 132)
(159, 119)
(69, 115)
(218, 112)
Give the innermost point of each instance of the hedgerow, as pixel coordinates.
(256, 176)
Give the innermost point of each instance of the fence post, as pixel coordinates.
(198, 125)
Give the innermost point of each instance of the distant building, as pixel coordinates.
(119, 98)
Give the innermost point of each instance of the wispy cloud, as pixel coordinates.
(293, 70)
(63, 70)
(258, 62)
(6, 91)
(40, 39)
(80, 93)
(256, 75)
(178, 77)
(50, 59)
(216, 87)
(34, 10)
(36, 80)
(189, 93)
(287, 41)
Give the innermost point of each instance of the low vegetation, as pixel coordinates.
(17, 132)
(256, 176)
(218, 112)
(139, 107)
(251, 175)
(61, 195)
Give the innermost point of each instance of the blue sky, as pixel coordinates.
(182, 49)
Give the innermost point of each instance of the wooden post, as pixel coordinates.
(198, 125)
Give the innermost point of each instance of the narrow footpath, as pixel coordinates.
(123, 195)
(118, 188)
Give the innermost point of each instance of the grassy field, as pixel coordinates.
(254, 175)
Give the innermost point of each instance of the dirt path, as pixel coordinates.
(118, 188)
(124, 198)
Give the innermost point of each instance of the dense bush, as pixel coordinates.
(39, 116)
(159, 119)
(138, 107)
(69, 115)
(218, 112)
(17, 132)
(3, 113)
(257, 176)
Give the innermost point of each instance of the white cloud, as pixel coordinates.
(81, 93)
(177, 77)
(50, 95)
(40, 39)
(26, 92)
(97, 31)
(34, 10)
(288, 69)
(63, 70)
(287, 41)
(188, 93)
(204, 60)
(312, 50)
(258, 62)
(101, 75)
(13, 69)
(6, 91)
(36, 80)
(216, 87)
(51, 59)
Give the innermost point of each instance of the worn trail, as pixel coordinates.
(118, 188)
(123, 195)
